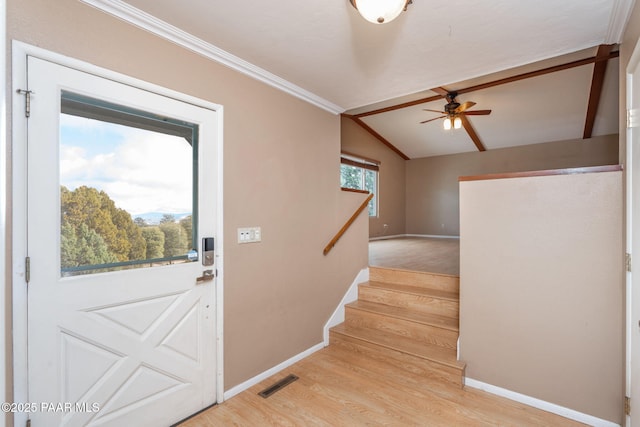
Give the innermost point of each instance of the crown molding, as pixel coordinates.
(620, 13)
(147, 22)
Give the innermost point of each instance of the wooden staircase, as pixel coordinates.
(407, 318)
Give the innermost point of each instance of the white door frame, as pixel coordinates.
(20, 51)
(4, 334)
(634, 62)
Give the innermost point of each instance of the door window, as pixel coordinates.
(127, 185)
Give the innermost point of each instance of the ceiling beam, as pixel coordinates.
(511, 79)
(472, 133)
(377, 135)
(440, 91)
(597, 82)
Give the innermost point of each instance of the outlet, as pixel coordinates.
(249, 234)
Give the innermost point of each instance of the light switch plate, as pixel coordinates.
(249, 234)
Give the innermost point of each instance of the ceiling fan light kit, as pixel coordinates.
(452, 122)
(380, 11)
(454, 112)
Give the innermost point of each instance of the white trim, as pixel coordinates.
(350, 296)
(395, 236)
(540, 404)
(628, 169)
(219, 265)
(19, 237)
(431, 236)
(141, 19)
(620, 14)
(4, 335)
(269, 372)
(19, 80)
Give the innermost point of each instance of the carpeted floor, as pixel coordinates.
(435, 255)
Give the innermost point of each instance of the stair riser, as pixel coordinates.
(427, 334)
(417, 366)
(418, 303)
(413, 278)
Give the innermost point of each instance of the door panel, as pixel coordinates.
(117, 347)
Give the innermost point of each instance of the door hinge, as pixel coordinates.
(27, 101)
(627, 405)
(627, 262)
(27, 269)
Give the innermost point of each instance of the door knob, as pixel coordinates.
(207, 276)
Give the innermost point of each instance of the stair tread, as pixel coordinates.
(413, 273)
(406, 345)
(416, 290)
(439, 321)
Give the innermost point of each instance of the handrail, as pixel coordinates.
(344, 228)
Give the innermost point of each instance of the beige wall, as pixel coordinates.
(432, 183)
(391, 193)
(541, 291)
(281, 172)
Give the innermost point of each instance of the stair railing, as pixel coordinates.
(346, 226)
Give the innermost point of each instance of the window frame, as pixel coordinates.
(365, 164)
(75, 104)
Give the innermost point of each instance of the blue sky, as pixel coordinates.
(142, 171)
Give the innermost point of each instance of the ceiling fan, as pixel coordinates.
(455, 115)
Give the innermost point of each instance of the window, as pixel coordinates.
(360, 174)
(127, 187)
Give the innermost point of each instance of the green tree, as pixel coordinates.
(155, 242)
(167, 218)
(68, 246)
(176, 242)
(83, 247)
(140, 222)
(350, 176)
(95, 209)
(187, 225)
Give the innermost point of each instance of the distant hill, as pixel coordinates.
(153, 218)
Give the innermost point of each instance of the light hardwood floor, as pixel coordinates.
(435, 255)
(337, 387)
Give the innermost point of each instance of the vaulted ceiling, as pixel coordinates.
(325, 53)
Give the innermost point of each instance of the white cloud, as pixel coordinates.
(145, 172)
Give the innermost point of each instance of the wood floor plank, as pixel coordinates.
(337, 387)
(417, 253)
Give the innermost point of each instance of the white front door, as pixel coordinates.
(121, 304)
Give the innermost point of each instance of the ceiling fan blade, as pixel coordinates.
(465, 106)
(434, 111)
(430, 120)
(472, 133)
(440, 91)
(477, 112)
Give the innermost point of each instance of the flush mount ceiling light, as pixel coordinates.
(380, 11)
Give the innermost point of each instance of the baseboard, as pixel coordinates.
(266, 374)
(336, 318)
(350, 296)
(395, 236)
(540, 404)
(433, 236)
